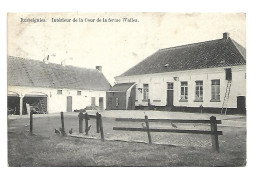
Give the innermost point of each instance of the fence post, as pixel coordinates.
(86, 123)
(97, 122)
(101, 127)
(148, 130)
(80, 122)
(31, 123)
(214, 136)
(62, 124)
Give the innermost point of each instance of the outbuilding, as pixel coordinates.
(121, 96)
(50, 88)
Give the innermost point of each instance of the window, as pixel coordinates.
(184, 91)
(146, 91)
(59, 91)
(78, 92)
(199, 91)
(215, 90)
(117, 101)
(170, 86)
(228, 74)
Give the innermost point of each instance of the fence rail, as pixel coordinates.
(169, 130)
(213, 126)
(166, 120)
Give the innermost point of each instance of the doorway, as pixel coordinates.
(241, 104)
(170, 96)
(101, 102)
(69, 104)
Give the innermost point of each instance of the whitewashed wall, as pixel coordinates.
(58, 102)
(158, 86)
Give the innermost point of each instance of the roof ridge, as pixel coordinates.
(56, 64)
(188, 45)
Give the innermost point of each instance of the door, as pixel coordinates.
(241, 104)
(69, 104)
(169, 94)
(101, 104)
(93, 101)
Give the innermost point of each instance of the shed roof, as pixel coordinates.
(34, 73)
(209, 54)
(121, 87)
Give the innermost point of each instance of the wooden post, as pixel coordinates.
(62, 124)
(86, 123)
(97, 122)
(31, 123)
(214, 136)
(101, 127)
(148, 130)
(80, 122)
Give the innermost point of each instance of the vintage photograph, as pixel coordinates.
(126, 89)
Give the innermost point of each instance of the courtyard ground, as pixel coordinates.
(121, 148)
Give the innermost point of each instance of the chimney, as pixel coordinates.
(225, 35)
(99, 68)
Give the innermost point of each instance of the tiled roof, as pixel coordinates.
(121, 87)
(33, 73)
(209, 54)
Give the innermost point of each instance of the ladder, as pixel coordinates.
(225, 101)
(42, 107)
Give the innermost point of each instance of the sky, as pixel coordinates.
(115, 45)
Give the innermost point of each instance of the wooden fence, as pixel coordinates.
(213, 125)
(99, 123)
(81, 116)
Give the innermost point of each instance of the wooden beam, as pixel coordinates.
(81, 122)
(166, 120)
(148, 130)
(169, 130)
(62, 124)
(86, 123)
(31, 123)
(97, 122)
(214, 136)
(101, 127)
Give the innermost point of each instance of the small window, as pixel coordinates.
(170, 86)
(215, 90)
(184, 91)
(78, 92)
(228, 74)
(59, 91)
(199, 91)
(117, 101)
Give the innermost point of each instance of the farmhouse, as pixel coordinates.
(50, 87)
(207, 76)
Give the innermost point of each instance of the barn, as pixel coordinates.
(50, 88)
(207, 76)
